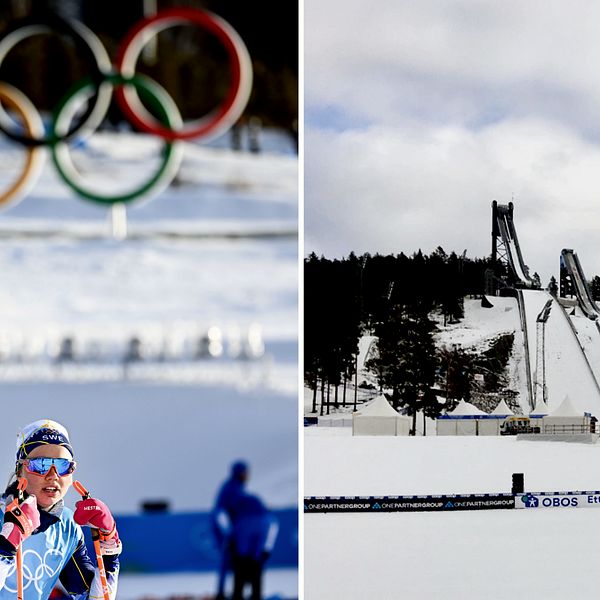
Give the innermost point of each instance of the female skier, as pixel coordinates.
(50, 533)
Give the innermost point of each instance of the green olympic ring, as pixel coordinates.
(158, 99)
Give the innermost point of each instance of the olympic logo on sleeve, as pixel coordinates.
(84, 107)
(37, 569)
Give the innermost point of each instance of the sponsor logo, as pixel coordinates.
(530, 501)
(413, 505)
(558, 501)
(337, 506)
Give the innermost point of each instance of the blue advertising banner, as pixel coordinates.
(170, 542)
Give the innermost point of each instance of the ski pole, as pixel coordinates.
(13, 506)
(96, 539)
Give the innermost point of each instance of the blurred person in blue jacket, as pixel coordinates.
(253, 536)
(223, 517)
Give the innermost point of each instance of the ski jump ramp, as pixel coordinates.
(573, 281)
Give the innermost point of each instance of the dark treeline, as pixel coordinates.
(391, 297)
(189, 63)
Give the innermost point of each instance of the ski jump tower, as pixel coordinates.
(509, 268)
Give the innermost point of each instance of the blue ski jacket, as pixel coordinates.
(224, 512)
(255, 529)
(56, 551)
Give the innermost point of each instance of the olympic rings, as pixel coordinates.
(241, 73)
(96, 91)
(172, 156)
(34, 160)
(48, 566)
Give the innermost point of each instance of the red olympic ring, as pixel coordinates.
(219, 119)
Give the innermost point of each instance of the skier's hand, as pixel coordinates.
(94, 513)
(20, 520)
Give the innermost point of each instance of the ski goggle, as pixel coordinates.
(41, 465)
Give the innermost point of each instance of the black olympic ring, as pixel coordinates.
(89, 48)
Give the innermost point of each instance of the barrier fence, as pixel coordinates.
(517, 498)
(371, 504)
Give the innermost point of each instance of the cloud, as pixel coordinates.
(455, 61)
(391, 189)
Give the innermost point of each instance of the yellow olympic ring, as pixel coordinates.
(34, 155)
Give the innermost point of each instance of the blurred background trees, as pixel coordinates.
(188, 62)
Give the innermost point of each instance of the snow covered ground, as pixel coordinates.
(277, 585)
(217, 250)
(465, 555)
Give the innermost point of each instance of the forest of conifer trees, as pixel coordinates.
(392, 297)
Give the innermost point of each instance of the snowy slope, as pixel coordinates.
(568, 371)
(480, 326)
(589, 336)
(567, 366)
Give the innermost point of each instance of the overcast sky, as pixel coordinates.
(418, 114)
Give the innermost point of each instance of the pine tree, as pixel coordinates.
(455, 371)
(406, 359)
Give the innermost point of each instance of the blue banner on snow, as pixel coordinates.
(170, 542)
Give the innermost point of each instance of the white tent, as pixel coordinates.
(540, 410)
(566, 419)
(492, 423)
(467, 419)
(464, 408)
(502, 409)
(379, 418)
